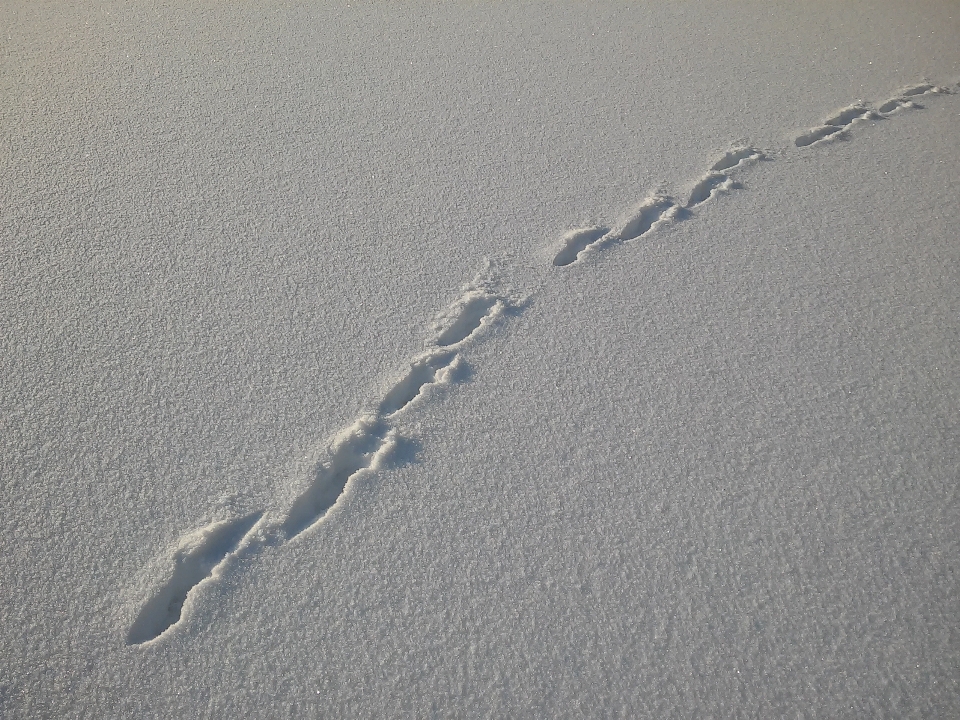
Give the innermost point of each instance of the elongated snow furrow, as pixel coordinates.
(656, 210)
(576, 241)
(834, 126)
(921, 89)
(718, 180)
(359, 447)
(735, 158)
(905, 98)
(363, 445)
(849, 115)
(817, 134)
(712, 184)
(198, 557)
(366, 444)
(424, 371)
(896, 104)
(641, 221)
(470, 313)
(660, 209)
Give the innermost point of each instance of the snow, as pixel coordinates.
(552, 359)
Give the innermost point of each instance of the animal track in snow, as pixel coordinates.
(712, 184)
(836, 124)
(656, 209)
(736, 158)
(467, 315)
(717, 181)
(843, 119)
(576, 241)
(362, 447)
(198, 556)
(359, 447)
(429, 369)
(640, 221)
(365, 445)
(902, 99)
(660, 209)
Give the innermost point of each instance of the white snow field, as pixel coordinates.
(463, 359)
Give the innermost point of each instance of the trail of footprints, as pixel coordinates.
(658, 209)
(363, 446)
(204, 555)
(859, 112)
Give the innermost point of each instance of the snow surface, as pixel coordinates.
(542, 359)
